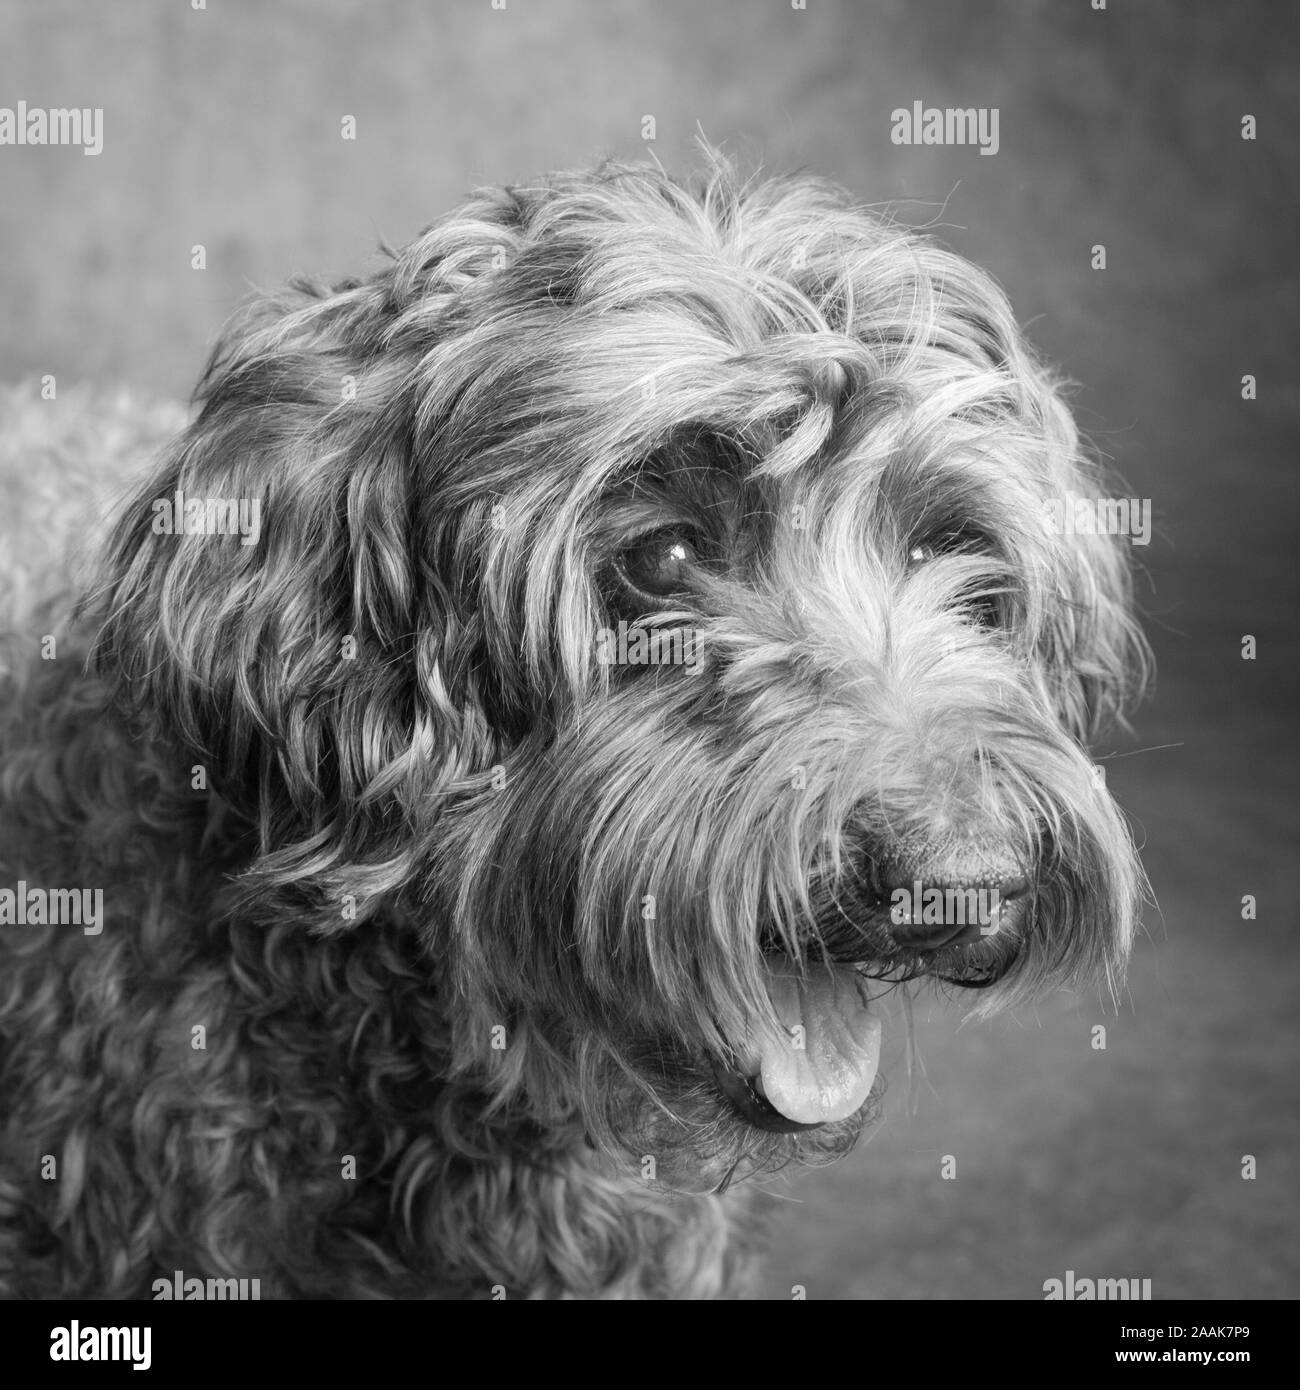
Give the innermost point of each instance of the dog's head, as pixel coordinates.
(654, 598)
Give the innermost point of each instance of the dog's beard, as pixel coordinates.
(653, 903)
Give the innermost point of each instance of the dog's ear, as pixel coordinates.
(1091, 645)
(320, 661)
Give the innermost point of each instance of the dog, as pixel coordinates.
(519, 728)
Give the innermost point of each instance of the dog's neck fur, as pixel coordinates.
(362, 1170)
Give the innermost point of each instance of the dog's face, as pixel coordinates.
(652, 586)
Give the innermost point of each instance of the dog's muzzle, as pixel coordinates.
(957, 907)
(943, 904)
(936, 902)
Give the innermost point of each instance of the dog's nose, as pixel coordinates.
(930, 912)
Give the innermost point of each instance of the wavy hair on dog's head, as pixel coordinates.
(328, 675)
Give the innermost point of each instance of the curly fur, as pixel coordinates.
(365, 806)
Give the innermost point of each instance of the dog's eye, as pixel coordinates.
(960, 540)
(660, 565)
(983, 608)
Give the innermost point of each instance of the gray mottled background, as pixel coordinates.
(1120, 127)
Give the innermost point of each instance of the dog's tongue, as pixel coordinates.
(830, 1076)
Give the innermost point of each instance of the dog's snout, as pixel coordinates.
(942, 903)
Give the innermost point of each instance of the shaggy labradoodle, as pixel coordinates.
(516, 733)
